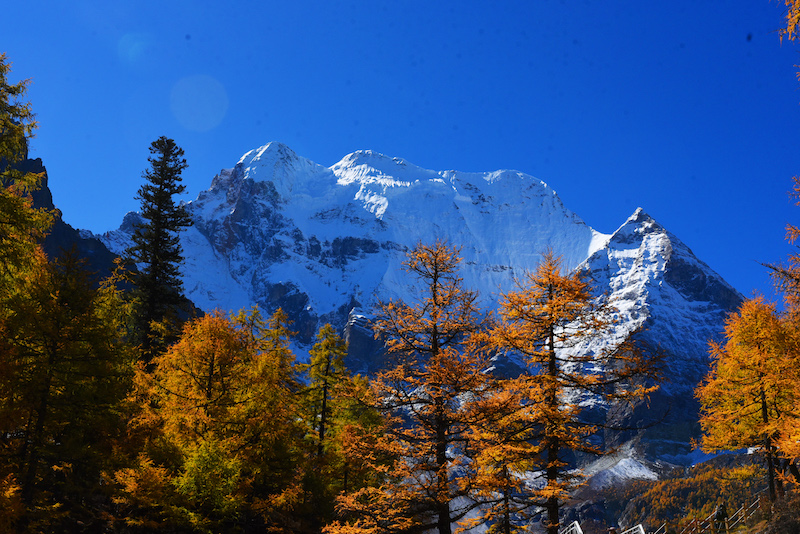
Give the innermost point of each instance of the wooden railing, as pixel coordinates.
(744, 513)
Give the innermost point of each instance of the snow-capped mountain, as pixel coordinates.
(326, 243)
(278, 229)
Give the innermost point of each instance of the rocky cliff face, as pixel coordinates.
(326, 244)
(62, 237)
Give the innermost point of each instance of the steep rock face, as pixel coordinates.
(658, 284)
(61, 237)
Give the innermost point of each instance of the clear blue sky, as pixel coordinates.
(687, 108)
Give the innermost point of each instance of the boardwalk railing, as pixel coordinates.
(744, 513)
(573, 528)
(638, 529)
(699, 526)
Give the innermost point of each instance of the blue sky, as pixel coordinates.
(687, 108)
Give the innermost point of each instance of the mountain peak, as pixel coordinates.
(636, 227)
(639, 215)
(274, 150)
(279, 164)
(373, 159)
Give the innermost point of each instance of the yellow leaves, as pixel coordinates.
(549, 310)
(674, 500)
(11, 505)
(194, 378)
(544, 319)
(22, 225)
(210, 478)
(750, 392)
(219, 417)
(143, 485)
(433, 262)
(792, 19)
(429, 398)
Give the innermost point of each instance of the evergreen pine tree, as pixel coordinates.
(157, 248)
(63, 374)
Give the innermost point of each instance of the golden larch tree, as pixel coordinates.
(749, 397)
(219, 417)
(544, 321)
(428, 397)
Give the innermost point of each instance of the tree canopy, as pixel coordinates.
(21, 225)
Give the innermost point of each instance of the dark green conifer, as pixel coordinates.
(157, 249)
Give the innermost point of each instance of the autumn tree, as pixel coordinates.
(156, 247)
(788, 441)
(792, 19)
(326, 370)
(502, 457)
(428, 398)
(65, 371)
(547, 320)
(220, 417)
(749, 398)
(21, 226)
(335, 411)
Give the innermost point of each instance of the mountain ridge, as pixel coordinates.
(327, 243)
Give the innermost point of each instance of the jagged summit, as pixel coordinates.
(278, 164)
(331, 235)
(677, 303)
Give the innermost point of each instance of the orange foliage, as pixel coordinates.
(750, 396)
(544, 321)
(429, 399)
(210, 451)
(792, 19)
(695, 495)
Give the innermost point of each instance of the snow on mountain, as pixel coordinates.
(678, 303)
(657, 283)
(326, 243)
(278, 229)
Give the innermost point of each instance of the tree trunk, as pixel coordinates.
(442, 482)
(768, 450)
(506, 502)
(553, 445)
(794, 471)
